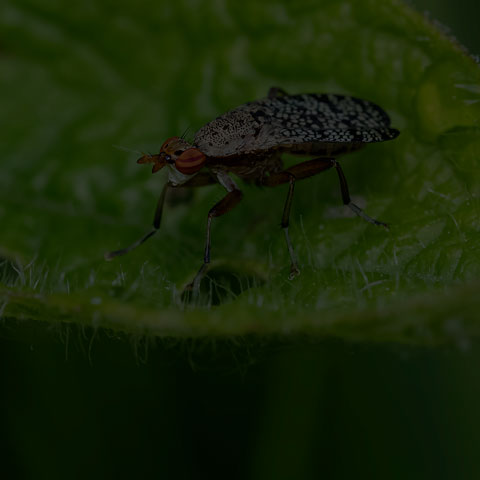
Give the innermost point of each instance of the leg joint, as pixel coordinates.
(226, 203)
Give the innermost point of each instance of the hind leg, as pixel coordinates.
(312, 167)
(305, 170)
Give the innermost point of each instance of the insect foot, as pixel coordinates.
(294, 272)
(224, 281)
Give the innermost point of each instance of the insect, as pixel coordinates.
(249, 141)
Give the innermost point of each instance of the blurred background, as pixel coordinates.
(457, 16)
(78, 402)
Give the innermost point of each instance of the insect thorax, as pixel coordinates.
(251, 168)
(177, 178)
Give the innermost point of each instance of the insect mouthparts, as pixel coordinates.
(157, 160)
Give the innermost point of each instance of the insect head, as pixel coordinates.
(178, 153)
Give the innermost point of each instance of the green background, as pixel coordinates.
(364, 366)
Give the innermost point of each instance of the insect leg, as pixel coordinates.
(294, 271)
(156, 225)
(348, 202)
(198, 180)
(297, 172)
(317, 165)
(229, 201)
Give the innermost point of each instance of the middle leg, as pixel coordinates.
(305, 170)
(312, 167)
(296, 172)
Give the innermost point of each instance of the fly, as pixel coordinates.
(249, 141)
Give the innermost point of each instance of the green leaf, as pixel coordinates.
(77, 82)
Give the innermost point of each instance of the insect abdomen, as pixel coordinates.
(321, 149)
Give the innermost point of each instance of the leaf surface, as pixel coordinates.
(78, 81)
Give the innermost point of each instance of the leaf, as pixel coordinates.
(78, 82)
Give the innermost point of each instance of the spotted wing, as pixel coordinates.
(291, 120)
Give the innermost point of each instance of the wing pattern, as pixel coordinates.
(294, 119)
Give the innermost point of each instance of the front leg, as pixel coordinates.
(227, 203)
(199, 180)
(156, 225)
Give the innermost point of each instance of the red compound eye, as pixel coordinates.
(190, 161)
